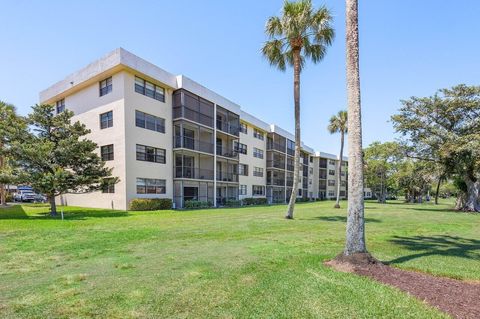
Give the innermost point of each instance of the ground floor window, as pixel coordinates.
(258, 190)
(331, 193)
(151, 186)
(242, 190)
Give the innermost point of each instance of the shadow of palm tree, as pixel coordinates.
(436, 245)
(18, 212)
(342, 219)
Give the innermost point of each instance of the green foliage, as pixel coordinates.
(414, 178)
(233, 203)
(338, 123)
(250, 201)
(197, 204)
(56, 157)
(300, 27)
(150, 204)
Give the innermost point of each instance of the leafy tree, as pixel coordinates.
(11, 125)
(445, 129)
(57, 158)
(338, 124)
(415, 179)
(300, 33)
(355, 243)
(381, 164)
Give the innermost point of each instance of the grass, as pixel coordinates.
(228, 263)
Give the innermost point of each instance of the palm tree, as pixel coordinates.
(338, 124)
(300, 33)
(355, 242)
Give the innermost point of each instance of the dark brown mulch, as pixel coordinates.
(459, 299)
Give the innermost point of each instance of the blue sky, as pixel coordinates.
(407, 47)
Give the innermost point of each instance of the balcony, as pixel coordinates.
(230, 128)
(192, 144)
(193, 173)
(228, 152)
(194, 116)
(276, 146)
(305, 184)
(275, 164)
(275, 182)
(289, 182)
(227, 177)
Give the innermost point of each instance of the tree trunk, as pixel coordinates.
(437, 191)
(472, 200)
(355, 220)
(296, 96)
(53, 205)
(339, 177)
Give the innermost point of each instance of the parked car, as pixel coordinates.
(24, 195)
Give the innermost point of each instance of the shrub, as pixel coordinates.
(196, 204)
(150, 204)
(233, 203)
(254, 201)
(9, 197)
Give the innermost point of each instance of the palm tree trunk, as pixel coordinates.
(355, 220)
(339, 177)
(296, 97)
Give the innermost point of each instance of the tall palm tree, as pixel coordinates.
(338, 124)
(300, 33)
(355, 242)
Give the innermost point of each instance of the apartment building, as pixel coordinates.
(167, 136)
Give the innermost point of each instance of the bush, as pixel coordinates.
(233, 203)
(196, 204)
(254, 201)
(150, 204)
(9, 197)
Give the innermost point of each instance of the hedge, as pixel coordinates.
(195, 204)
(233, 203)
(150, 204)
(254, 201)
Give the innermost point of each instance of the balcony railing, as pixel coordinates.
(289, 182)
(192, 144)
(230, 128)
(193, 173)
(275, 182)
(227, 177)
(290, 167)
(227, 152)
(275, 164)
(276, 146)
(179, 112)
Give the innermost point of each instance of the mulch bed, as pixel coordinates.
(457, 298)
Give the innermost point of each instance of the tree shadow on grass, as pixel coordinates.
(342, 219)
(18, 212)
(436, 246)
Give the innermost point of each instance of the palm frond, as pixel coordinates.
(273, 51)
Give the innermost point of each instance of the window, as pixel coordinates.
(342, 193)
(258, 190)
(290, 147)
(258, 171)
(106, 86)
(309, 182)
(331, 172)
(149, 89)
(60, 106)
(300, 192)
(106, 152)
(311, 171)
(243, 169)
(331, 193)
(150, 122)
(243, 128)
(239, 147)
(331, 182)
(242, 190)
(150, 154)
(106, 120)
(331, 162)
(311, 159)
(257, 152)
(343, 183)
(108, 186)
(258, 134)
(342, 173)
(151, 186)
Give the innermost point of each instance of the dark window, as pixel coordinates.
(60, 106)
(150, 122)
(257, 152)
(108, 186)
(239, 147)
(149, 89)
(342, 193)
(258, 171)
(290, 147)
(243, 128)
(243, 169)
(106, 120)
(311, 159)
(258, 190)
(106, 86)
(331, 182)
(242, 190)
(151, 186)
(150, 154)
(331, 172)
(106, 152)
(258, 134)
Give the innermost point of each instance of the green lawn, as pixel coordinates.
(228, 263)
